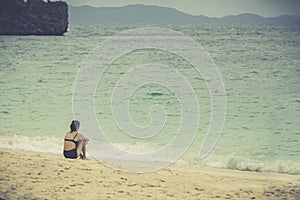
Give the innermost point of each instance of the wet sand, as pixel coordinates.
(31, 175)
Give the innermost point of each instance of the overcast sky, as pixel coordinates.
(211, 8)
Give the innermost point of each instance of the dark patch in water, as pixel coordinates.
(155, 94)
(4, 112)
(199, 78)
(254, 72)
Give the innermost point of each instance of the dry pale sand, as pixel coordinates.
(28, 175)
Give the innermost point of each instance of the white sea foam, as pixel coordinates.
(236, 162)
(36, 144)
(55, 145)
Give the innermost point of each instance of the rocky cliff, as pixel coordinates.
(33, 17)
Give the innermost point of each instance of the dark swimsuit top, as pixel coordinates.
(73, 152)
(75, 142)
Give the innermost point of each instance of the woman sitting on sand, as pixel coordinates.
(75, 143)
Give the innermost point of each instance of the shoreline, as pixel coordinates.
(55, 145)
(32, 175)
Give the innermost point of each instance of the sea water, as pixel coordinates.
(259, 64)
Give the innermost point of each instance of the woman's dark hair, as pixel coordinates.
(74, 125)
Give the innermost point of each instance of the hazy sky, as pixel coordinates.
(211, 8)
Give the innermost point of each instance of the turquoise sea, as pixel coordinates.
(259, 64)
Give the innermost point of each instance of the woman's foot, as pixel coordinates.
(83, 157)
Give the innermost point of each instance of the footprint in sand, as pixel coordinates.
(161, 180)
(132, 184)
(170, 195)
(228, 196)
(199, 189)
(149, 185)
(104, 185)
(118, 183)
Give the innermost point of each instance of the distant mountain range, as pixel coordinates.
(161, 15)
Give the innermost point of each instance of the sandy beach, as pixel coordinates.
(32, 175)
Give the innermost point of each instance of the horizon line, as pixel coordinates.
(229, 15)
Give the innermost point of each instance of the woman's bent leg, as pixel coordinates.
(81, 150)
(84, 151)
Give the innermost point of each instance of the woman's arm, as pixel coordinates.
(82, 138)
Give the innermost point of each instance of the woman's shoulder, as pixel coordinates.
(68, 133)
